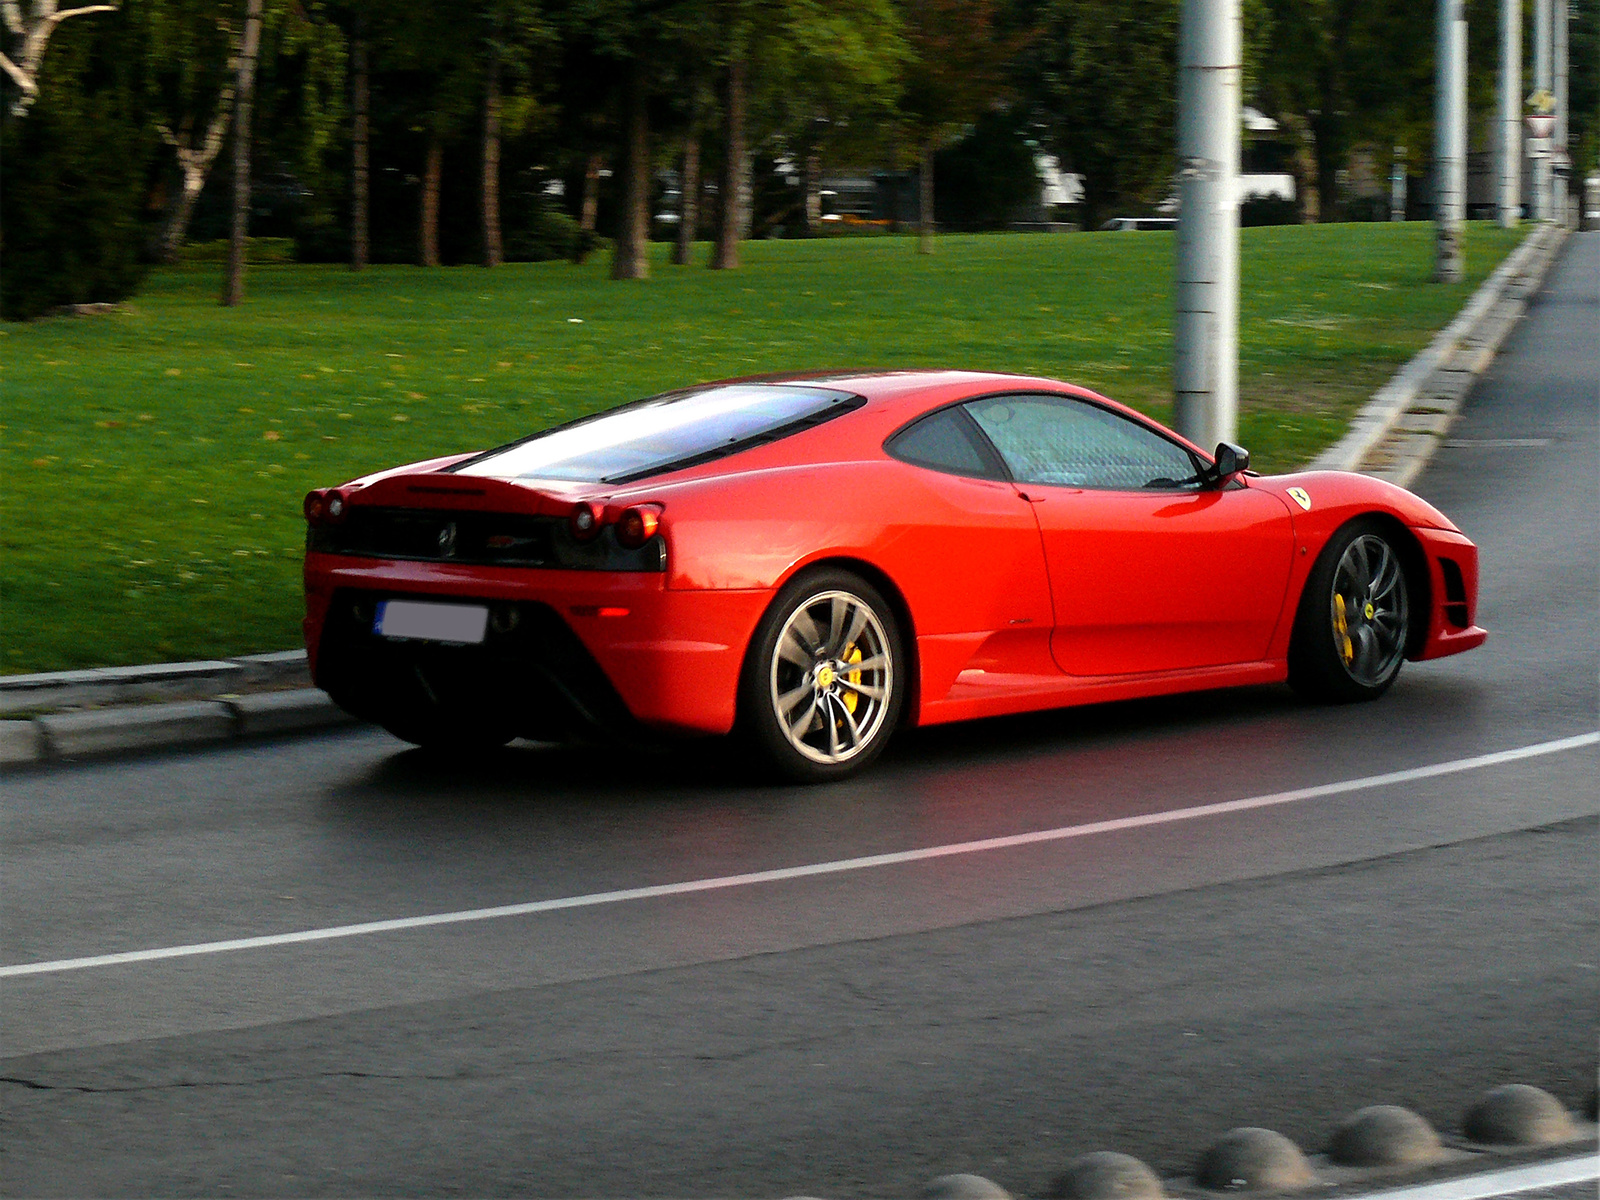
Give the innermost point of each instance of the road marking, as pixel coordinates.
(780, 874)
(1507, 1182)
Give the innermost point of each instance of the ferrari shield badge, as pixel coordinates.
(1300, 497)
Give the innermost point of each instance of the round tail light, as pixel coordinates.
(314, 506)
(335, 506)
(584, 521)
(638, 525)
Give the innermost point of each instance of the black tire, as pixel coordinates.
(825, 678)
(1354, 620)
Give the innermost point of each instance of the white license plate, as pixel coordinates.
(431, 622)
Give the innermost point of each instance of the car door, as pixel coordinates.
(1148, 571)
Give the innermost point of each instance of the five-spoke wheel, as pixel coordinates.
(1351, 633)
(822, 687)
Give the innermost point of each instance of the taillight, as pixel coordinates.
(637, 525)
(314, 505)
(584, 521)
(334, 505)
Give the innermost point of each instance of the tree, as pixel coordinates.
(75, 172)
(1099, 80)
(244, 92)
(959, 53)
(34, 30)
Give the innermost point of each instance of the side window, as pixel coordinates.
(945, 441)
(1071, 443)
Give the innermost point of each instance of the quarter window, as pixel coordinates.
(1072, 443)
(945, 441)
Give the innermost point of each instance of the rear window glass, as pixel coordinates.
(664, 433)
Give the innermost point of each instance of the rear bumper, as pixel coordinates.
(1452, 593)
(565, 650)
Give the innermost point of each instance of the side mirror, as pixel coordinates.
(1231, 460)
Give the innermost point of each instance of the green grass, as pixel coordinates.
(152, 460)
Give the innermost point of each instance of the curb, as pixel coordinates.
(1394, 434)
(128, 728)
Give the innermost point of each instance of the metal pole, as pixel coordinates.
(1205, 359)
(1562, 67)
(1541, 83)
(1450, 140)
(1510, 113)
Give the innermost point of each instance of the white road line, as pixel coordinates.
(778, 875)
(1507, 1182)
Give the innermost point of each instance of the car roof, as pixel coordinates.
(909, 389)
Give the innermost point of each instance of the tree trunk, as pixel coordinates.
(177, 230)
(360, 137)
(726, 257)
(591, 193)
(430, 201)
(493, 253)
(811, 182)
(630, 259)
(925, 201)
(689, 203)
(195, 163)
(244, 90)
(1303, 165)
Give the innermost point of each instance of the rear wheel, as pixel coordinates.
(824, 680)
(1355, 617)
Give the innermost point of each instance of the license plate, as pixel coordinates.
(430, 622)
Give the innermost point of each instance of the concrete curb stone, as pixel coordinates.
(103, 731)
(284, 712)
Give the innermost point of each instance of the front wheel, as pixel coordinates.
(824, 682)
(1355, 617)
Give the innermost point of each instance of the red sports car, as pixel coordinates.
(813, 561)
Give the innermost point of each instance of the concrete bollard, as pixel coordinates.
(1516, 1114)
(1106, 1175)
(1253, 1160)
(964, 1187)
(1384, 1135)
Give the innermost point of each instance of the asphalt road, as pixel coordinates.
(857, 1031)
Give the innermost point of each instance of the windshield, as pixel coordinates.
(664, 433)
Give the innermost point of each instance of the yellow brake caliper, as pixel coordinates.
(1341, 630)
(852, 698)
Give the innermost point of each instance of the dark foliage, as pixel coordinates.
(73, 186)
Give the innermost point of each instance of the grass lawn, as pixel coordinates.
(152, 460)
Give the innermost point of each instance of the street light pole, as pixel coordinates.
(1561, 160)
(1541, 83)
(1450, 140)
(1205, 352)
(1510, 113)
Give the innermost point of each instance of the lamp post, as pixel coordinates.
(1450, 140)
(1205, 351)
(1510, 139)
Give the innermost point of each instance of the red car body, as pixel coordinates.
(1012, 597)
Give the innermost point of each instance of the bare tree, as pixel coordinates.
(195, 158)
(233, 285)
(630, 257)
(726, 255)
(360, 139)
(493, 248)
(34, 30)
